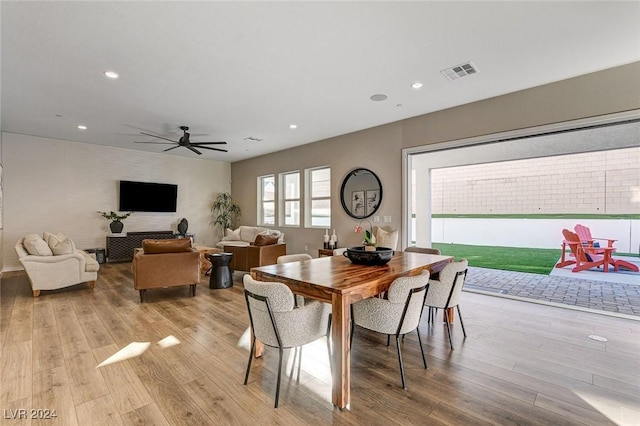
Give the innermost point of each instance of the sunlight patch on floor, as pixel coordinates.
(135, 349)
(132, 350)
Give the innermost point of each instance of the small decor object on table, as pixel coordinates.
(326, 239)
(183, 225)
(369, 241)
(116, 224)
(377, 257)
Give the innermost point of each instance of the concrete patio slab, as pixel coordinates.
(619, 299)
(621, 277)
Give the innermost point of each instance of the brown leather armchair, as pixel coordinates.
(252, 256)
(165, 263)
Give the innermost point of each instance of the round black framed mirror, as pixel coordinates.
(361, 193)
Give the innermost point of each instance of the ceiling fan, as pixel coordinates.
(185, 142)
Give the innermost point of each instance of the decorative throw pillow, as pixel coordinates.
(61, 247)
(387, 239)
(232, 235)
(178, 245)
(265, 240)
(59, 243)
(35, 245)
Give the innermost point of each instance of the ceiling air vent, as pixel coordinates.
(461, 70)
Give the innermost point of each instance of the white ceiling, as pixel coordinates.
(231, 70)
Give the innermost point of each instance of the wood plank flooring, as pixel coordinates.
(521, 364)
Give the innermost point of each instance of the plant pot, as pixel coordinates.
(116, 227)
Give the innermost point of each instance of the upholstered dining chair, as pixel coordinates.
(444, 293)
(288, 258)
(276, 323)
(399, 314)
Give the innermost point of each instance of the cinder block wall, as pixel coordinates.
(606, 182)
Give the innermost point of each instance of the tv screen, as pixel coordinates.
(147, 196)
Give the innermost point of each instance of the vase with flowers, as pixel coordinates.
(369, 241)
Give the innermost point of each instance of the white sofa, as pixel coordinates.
(51, 262)
(245, 235)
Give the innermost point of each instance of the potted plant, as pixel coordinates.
(225, 212)
(116, 224)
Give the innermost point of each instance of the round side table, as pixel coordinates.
(221, 276)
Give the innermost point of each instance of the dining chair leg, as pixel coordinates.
(299, 365)
(449, 333)
(429, 317)
(461, 323)
(280, 350)
(404, 386)
(329, 343)
(293, 363)
(253, 347)
(353, 327)
(388, 339)
(424, 360)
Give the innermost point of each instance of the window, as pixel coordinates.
(267, 200)
(289, 199)
(318, 198)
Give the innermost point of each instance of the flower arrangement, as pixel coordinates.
(114, 216)
(369, 238)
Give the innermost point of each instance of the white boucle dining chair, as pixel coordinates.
(399, 314)
(278, 324)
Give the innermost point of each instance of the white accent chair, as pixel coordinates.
(276, 323)
(445, 292)
(399, 314)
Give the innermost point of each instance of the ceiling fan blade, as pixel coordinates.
(208, 143)
(169, 149)
(159, 143)
(212, 149)
(194, 150)
(156, 136)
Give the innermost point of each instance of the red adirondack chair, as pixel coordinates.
(588, 241)
(585, 258)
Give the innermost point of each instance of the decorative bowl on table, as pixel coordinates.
(360, 256)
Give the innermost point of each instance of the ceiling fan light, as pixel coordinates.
(416, 85)
(111, 74)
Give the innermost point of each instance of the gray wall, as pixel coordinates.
(380, 148)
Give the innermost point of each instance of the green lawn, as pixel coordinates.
(535, 261)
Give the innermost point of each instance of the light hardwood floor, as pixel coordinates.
(521, 363)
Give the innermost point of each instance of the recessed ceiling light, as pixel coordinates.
(82, 127)
(416, 85)
(378, 97)
(111, 74)
(293, 126)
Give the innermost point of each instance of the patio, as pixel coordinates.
(612, 293)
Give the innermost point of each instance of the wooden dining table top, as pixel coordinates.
(322, 277)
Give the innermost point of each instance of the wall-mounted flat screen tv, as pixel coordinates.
(147, 196)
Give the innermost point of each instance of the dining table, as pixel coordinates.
(338, 281)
